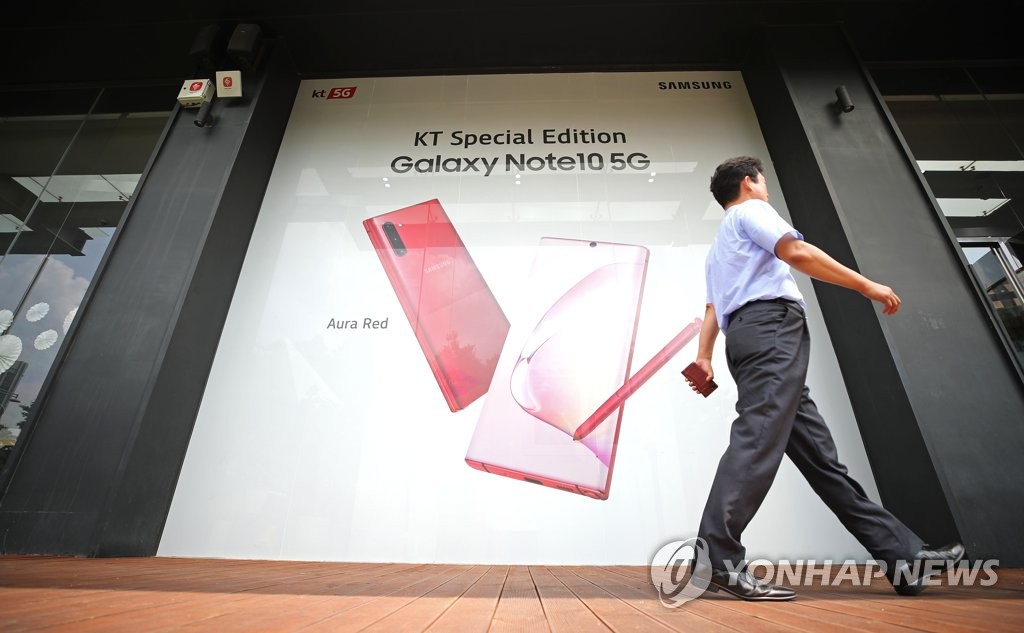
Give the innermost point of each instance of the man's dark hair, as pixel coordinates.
(725, 184)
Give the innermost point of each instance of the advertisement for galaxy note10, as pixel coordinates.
(459, 329)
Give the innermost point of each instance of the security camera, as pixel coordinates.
(198, 93)
(203, 117)
(843, 101)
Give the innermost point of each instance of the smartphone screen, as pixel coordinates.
(457, 321)
(569, 348)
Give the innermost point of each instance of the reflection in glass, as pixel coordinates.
(965, 127)
(65, 181)
(1003, 293)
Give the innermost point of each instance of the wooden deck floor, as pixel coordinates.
(169, 594)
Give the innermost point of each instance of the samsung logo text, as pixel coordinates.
(694, 85)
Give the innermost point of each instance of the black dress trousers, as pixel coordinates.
(767, 349)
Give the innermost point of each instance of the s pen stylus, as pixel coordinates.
(637, 380)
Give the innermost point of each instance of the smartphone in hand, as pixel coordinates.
(699, 379)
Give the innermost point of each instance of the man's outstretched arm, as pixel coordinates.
(814, 262)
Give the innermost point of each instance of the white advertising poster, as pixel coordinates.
(450, 276)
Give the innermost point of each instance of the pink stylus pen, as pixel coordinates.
(637, 380)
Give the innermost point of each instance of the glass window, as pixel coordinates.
(992, 266)
(70, 162)
(965, 128)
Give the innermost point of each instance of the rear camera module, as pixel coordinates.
(394, 239)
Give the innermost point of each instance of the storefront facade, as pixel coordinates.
(253, 365)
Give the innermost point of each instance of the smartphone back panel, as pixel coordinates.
(569, 349)
(455, 317)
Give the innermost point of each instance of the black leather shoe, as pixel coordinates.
(742, 585)
(909, 585)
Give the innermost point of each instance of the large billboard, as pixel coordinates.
(449, 277)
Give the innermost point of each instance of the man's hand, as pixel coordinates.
(884, 295)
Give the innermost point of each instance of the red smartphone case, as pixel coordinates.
(699, 378)
(453, 313)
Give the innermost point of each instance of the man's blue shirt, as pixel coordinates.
(742, 267)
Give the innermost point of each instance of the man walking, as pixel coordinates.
(753, 298)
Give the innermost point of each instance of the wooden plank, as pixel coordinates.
(289, 610)
(563, 610)
(888, 609)
(86, 573)
(802, 617)
(863, 608)
(793, 615)
(615, 613)
(118, 596)
(474, 610)
(110, 609)
(519, 607)
(931, 611)
(425, 610)
(387, 601)
(99, 602)
(695, 615)
(184, 576)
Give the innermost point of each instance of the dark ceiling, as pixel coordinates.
(45, 43)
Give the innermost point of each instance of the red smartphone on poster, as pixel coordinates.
(457, 321)
(570, 346)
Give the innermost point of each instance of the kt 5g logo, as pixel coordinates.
(343, 92)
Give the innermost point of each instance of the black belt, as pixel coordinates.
(779, 300)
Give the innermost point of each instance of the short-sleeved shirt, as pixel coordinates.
(742, 267)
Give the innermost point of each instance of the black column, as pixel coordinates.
(939, 404)
(97, 470)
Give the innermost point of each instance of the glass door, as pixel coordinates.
(998, 270)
